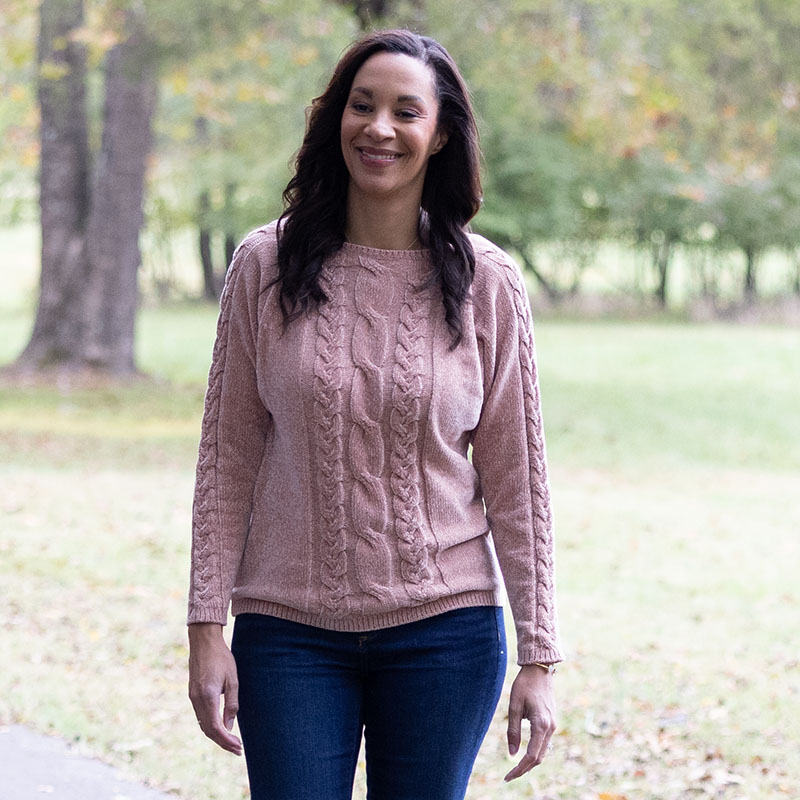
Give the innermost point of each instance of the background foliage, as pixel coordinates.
(671, 128)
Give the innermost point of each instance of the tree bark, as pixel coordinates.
(369, 12)
(116, 212)
(230, 249)
(90, 253)
(204, 242)
(210, 289)
(212, 281)
(554, 295)
(662, 255)
(750, 274)
(64, 186)
(230, 239)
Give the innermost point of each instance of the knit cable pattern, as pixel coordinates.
(404, 421)
(207, 586)
(328, 417)
(369, 503)
(539, 484)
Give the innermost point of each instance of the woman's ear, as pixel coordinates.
(441, 141)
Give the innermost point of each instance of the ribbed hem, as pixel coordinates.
(359, 623)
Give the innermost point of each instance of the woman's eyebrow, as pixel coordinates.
(403, 98)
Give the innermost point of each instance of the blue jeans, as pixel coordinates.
(423, 694)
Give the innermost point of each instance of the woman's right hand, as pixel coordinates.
(212, 673)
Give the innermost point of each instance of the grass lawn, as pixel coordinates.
(675, 463)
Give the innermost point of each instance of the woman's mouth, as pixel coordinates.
(376, 157)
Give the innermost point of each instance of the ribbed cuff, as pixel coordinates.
(539, 655)
(207, 612)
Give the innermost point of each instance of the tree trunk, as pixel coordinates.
(369, 12)
(64, 186)
(554, 295)
(116, 216)
(662, 254)
(230, 249)
(204, 242)
(750, 274)
(212, 282)
(210, 289)
(230, 239)
(90, 252)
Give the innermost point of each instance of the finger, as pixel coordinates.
(527, 763)
(218, 735)
(231, 708)
(211, 724)
(540, 733)
(545, 746)
(536, 750)
(514, 733)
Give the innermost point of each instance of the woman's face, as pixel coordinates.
(390, 127)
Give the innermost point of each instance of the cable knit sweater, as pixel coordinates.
(334, 481)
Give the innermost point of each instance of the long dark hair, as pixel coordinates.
(313, 224)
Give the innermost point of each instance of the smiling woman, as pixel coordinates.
(318, 221)
(390, 129)
(366, 341)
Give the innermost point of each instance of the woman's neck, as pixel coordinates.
(383, 225)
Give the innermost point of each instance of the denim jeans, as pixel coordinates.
(423, 694)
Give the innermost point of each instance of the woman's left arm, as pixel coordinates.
(510, 458)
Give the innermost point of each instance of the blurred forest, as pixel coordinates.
(670, 129)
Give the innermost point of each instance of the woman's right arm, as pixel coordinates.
(234, 432)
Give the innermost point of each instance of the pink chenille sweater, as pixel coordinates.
(334, 481)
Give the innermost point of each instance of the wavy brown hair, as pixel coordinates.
(312, 225)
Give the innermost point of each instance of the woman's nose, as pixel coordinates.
(380, 127)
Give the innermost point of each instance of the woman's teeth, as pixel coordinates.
(376, 157)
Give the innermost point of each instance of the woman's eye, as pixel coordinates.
(407, 114)
(360, 107)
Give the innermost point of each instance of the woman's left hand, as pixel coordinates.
(532, 698)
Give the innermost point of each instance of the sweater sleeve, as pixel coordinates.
(509, 456)
(234, 433)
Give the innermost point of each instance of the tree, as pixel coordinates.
(526, 63)
(91, 214)
(232, 113)
(221, 218)
(19, 118)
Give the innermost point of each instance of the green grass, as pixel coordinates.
(674, 453)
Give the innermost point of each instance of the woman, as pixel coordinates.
(365, 341)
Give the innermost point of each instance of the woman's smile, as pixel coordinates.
(379, 158)
(390, 128)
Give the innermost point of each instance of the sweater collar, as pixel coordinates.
(411, 263)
